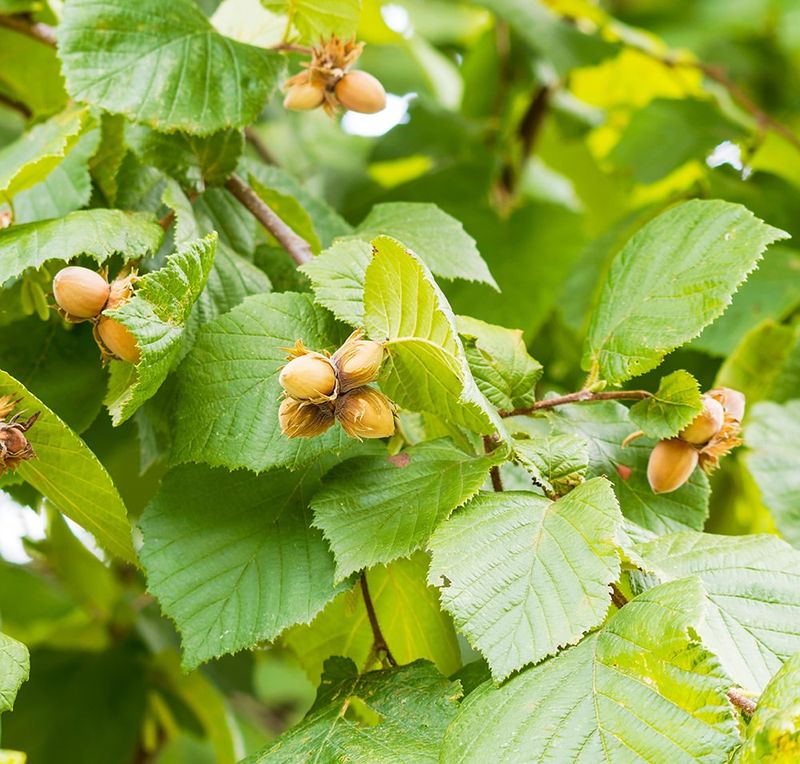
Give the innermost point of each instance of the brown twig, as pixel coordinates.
(378, 641)
(489, 444)
(580, 397)
(17, 106)
(742, 702)
(288, 47)
(41, 32)
(617, 597)
(254, 139)
(297, 247)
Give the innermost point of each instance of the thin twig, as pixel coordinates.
(580, 397)
(41, 32)
(617, 597)
(378, 641)
(288, 47)
(254, 139)
(742, 702)
(17, 106)
(297, 247)
(489, 445)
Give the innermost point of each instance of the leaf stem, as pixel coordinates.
(742, 702)
(378, 640)
(494, 472)
(297, 247)
(289, 47)
(580, 397)
(42, 32)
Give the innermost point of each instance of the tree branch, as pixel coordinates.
(742, 702)
(254, 139)
(41, 32)
(580, 397)
(297, 247)
(378, 640)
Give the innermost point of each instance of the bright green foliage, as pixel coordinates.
(374, 509)
(603, 426)
(33, 156)
(523, 576)
(438, 239)
(156, 316)
(773, 733)
(99, 233)
(643, 688)
(407, 609)
(672, 279)
(14, 670)
(111, 51)
(500, 364)
(290, 211)
(67, 473)
(251, 565)
(752, 585)
(425, 368)
(773, 435)
(557, 463)
(231, 375)
(314, 19)
(398, 715)
(670, 408)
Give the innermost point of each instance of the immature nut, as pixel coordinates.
(304, 96)
(360, 91)
(301, 419)
(357, 362)
(732, 401)
(80, 292)
(365, 413)
(117, 340)
(671, 465)
(706, 424)
(309, 377)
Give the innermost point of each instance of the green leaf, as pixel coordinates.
(35, 154)
(407, 610)
(374, 509)
(164, 66)
(156, 316)
(99, 233)
(683, 129)
(758, 360)
(229, 394)
(752, 585)
(500, 364)
(66, 189)
(317, 20)
(558, 463)
(288, 209)
(337, 276)
(404, 713)
(194, 161)
(603, 426)
(425, 369)
(642, 689)
(773, 733)
(523, 576)
(436, 237)
(673, 406)
(67, 473)
(248, 563)
(673, 278)
(14, 670)
(773, 438)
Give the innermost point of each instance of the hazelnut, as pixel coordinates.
(117, 340)
(80, 292)
(303, 96)
(360, 91)
(671, 465)
(301, 419)
(365, 413)
(732, 401)
(309, 377)
(357, 362)
(706, 424)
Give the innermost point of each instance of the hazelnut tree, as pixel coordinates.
(269, 388)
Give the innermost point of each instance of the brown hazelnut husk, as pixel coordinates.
(80, 293)
(357, 362)
(671, 464)
(365, 413)
(14, 445)
(302, 419)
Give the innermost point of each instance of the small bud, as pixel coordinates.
(706, 424)
(309, 377)
(301, 419)
(365, 413)
(357, 362)
(303, 96)
(116, 339)
(360, 91)
(732, 401)
(80, 292)
(671, 465)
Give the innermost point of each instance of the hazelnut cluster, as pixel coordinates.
(328, 82)
(82, 294)
(14, 446)
(712, 434)
(320, 389)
